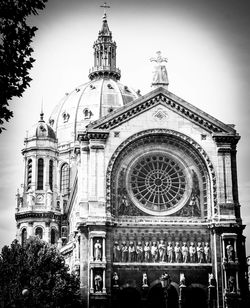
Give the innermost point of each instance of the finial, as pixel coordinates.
(160, 77)
(105, 6)
(41, 114)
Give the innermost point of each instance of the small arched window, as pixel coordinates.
(64, 179)
(39, 232)
(24, 236)
(40, 167)
(53, 236)
(29, 173)
(51, 175)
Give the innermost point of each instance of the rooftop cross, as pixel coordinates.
(105, 6)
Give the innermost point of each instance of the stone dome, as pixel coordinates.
(87, 103)
(41, 130)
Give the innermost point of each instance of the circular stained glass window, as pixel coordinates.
(157, 182)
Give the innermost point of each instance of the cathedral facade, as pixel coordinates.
(139, 193)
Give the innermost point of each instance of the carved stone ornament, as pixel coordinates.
(150, 176)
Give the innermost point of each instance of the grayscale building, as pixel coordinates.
(139, 192)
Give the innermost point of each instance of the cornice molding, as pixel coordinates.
(169, 100)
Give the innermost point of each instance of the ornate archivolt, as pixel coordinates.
(162, 173)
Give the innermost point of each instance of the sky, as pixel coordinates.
(207, 44)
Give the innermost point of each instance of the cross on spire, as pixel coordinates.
(105, 6)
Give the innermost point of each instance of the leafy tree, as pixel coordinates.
(35, 275)
(15, 50)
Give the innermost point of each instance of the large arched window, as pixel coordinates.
(51, 175)
(64, 179)
(40, 168)
(29, 173)
(24, 236)
(53, 236)
(39, 232)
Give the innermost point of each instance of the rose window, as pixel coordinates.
(157, 182)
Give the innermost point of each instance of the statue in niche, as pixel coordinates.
(139, 252)
(170, 252)
(231, 284)
(97, 251)
(211, 280)
(230, 252)
(117, 252)
(154, 252)
(162, 251)
(207, 252)
(144, 280)
(177, 251)
(124, 252)
(115, 280)
(192, 252)
(184, 251)
(131, 252)
(182, 280)
(147, 252)
(98, 282)
(200, 252)
(195, 198)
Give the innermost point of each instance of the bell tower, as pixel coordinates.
(37, 212)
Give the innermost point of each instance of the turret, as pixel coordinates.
(38, 212)
(104, 54)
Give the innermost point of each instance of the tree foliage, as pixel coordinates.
(15, 50)
(38, 268)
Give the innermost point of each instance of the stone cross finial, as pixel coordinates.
(105, 6)
(159, 59)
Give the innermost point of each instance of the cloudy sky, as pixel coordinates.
(207, 45)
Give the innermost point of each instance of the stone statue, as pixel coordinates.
(139, 252)
(177, 250)
(170, 252)
(124, 252)
(147, 252)
(165, 280)
(97, 251)
(131, 252)
(231, 284)
(182, 280)
(117, 252)
(144, 280)
(211, 280)
(160, 75)
(200, 251)
(230, 252)
(192, 251)
(98, 281)
(154, 252)
(162, 251)
(115, 280)
(184, 251)
(207, 252)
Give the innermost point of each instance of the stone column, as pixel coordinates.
(103, 250)
(83, 184)
(104, 281)
(100, 172)
(84, 276)
(93, 174)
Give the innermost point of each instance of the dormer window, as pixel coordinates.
(51, 122)
(109, 86)
(87, 113)
(65, 116)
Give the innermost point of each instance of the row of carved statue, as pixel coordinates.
(160, 252)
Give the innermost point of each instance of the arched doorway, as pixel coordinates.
(196, 296)
(129, 297)
(157, 298)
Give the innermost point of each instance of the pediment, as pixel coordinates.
(161, 96)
